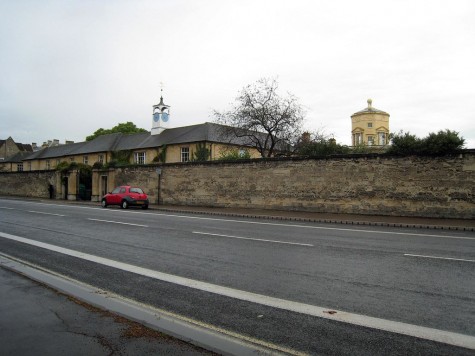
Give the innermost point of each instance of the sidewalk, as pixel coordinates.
(37, 320)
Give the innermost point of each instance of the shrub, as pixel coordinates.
(98, 165)
(202, 153)
(404, 143)
(442, 142)
(323, 147)
(234, 154)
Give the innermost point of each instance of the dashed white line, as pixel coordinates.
(253, 239)
(439, 257)
(42, 212)
(117, 222)
(265, 223)
(437, 335)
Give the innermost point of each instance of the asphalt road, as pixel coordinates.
(301, 286)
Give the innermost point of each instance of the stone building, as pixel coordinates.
(12, 153)
(161, 145)
(370, 127)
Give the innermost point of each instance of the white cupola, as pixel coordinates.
(161, 115)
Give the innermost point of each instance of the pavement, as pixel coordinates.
(37, 319)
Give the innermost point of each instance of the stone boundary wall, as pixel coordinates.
(441, 187)
(29, 184)
(375, 185)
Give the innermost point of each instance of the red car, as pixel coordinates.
(126, 196)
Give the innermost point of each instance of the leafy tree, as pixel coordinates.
(202, 153)
(442, 142)
(263, 119)
(125, 128)
(318, 144)
(404, 143)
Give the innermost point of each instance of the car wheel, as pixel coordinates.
(124, 204)
(104, 203)
(144, 207)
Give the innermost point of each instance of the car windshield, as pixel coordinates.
(136, 190)
(116, 190)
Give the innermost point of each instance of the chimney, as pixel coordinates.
(55, 142)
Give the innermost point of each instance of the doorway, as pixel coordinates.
(103, 190)
(65, 188)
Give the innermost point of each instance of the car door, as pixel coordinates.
(115, 196)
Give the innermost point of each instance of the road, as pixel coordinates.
(305, 287)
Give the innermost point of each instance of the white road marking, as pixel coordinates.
(117, 222)
(253, 239)
(446, 337)
(4, 207)
(264, 223)
(41, 212)
(439, 257)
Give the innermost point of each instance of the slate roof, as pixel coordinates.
(208, 131)
(24, 147)
(21, 146)
(16, 158)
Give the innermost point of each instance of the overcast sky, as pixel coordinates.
(68, 68)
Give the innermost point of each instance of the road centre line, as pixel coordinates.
(117, 222)
(439, 257)
(41, 212)
(266, 223)
(437, 335)
(253, 239)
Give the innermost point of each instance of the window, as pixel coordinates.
(116, 190)
(370, 140)
(85, 159)
(19, 167)
(48, 164)
(72, 159)
(357, 139)
(139, 157)
(136, 190)
(382, 138)
(185, 154)
(101, 158)
(370, 124)
(29, 166)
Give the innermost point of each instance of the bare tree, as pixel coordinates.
(263, 119)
